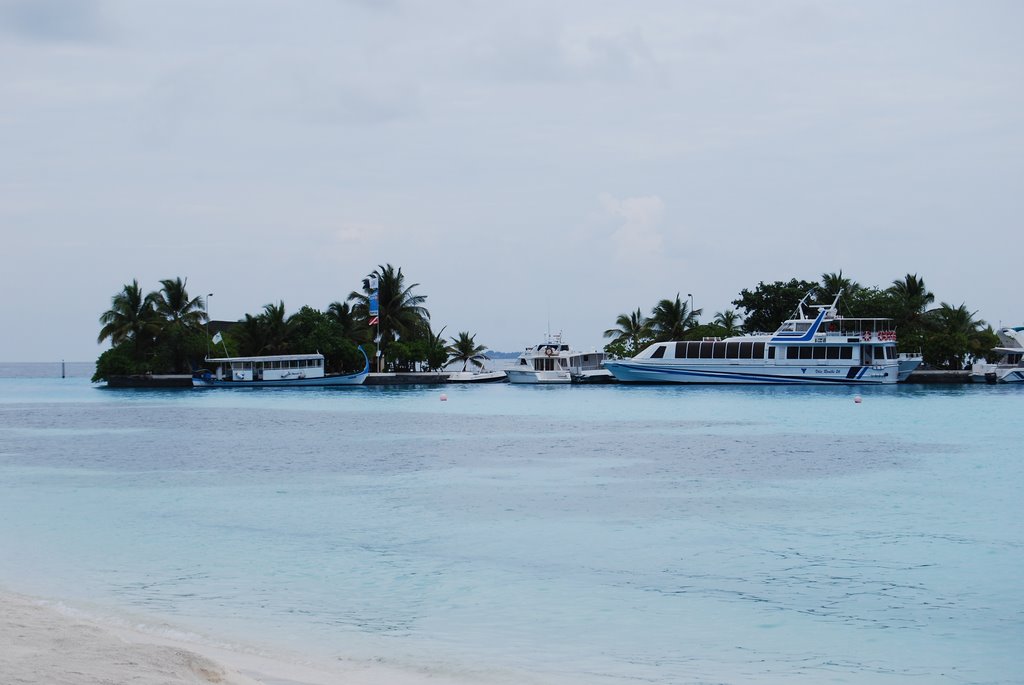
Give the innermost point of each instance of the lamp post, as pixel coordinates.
(690, 295)
(208, 296)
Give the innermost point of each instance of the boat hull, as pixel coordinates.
(531, 377)
(997, 373)
(477, 377)
(321, 382)
(632, 371)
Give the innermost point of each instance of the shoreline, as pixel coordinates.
(48, 641)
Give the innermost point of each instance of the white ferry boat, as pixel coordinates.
(812, 347)
(1010, 366)
(275, 371)
(555, 362)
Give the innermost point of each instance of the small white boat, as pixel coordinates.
(479, 376)
(554, 362)
(1010, 366)
(276, 371)
(815, 346)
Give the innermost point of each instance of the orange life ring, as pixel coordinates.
(867, 335)
(549, 351)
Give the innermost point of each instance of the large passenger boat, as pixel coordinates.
(275, 371)
(816, 346)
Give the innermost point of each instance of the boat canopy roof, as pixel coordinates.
(267, 358)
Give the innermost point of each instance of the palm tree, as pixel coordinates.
(401, 313)
(671, 318)
(464, 349)
(130, 318)
(957, 332)
(832, 283)
(730, 321)
(278, 328)
(912, 297)
(633, 329)
(177, 309)
(352, 327)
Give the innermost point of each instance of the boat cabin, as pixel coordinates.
(269, 368)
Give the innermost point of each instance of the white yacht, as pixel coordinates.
(554, 361)
(815, 346)
(1010, 367)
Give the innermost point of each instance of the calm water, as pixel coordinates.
(605, 535)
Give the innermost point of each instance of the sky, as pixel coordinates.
(532, 165)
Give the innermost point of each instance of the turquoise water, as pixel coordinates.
(550, 534)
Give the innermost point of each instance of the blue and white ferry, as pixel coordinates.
(816, 346)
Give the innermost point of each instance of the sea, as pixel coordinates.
(610, 535)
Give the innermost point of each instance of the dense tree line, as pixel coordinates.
(165, 331)
(948, 336)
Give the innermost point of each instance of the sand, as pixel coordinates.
(42, 643)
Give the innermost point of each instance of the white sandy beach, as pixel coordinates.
(42, 643)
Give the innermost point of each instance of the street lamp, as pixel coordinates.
(690, 295)
(208, 296)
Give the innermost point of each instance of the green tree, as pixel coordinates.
(269, 332)
(464, 349)
(401, 312)
(769, 304)
(832, 283)
(730, 323)
(181, 319)
(955, 334)
(633, 331)
(911, 299)
(130, 319)
(670, 319)
(350, 326)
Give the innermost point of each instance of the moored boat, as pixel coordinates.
(1009, 368)
(554, 362)
(276, 371)
(815, 346)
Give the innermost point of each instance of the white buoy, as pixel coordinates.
(444, 398)
(856, 399)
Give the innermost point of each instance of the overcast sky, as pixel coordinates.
(524, 162)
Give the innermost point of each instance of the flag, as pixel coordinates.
(374, 321)
(217, 338)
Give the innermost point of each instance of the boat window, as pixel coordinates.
(846, 352)
(833, 353)
(693, 350)
(758, 352)
(880, 352)
(718, 350)
(746, 350)
(707, 350)
(659, 353)
(806, 352)
(680, 350)
(771, 351)
(819, 352)
(732, 350)
(792, 353)
(890, 353)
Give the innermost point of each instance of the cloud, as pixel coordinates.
(52, 20)
(639, 236)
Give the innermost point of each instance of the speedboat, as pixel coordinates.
(275, 371)
(478, 376)
(815, 346)
(1009, 368)
(553, 361)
